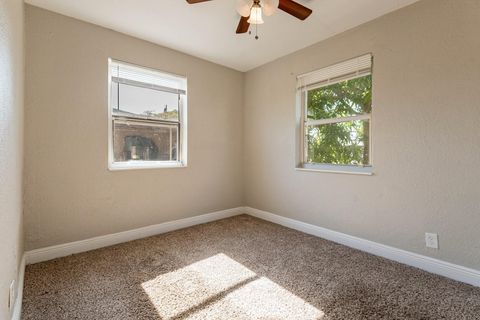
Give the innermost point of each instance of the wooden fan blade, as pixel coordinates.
(295, 9)
(243, 25)
(196, 1)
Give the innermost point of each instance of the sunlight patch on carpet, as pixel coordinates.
(260, 299)
(220, 287)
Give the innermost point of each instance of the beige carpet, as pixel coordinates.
(239, 268)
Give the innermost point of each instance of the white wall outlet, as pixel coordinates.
(11, 295)
(431, 240)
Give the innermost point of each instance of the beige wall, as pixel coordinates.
(11, 145)
(426, 149)
(70, 195)
(426, 137)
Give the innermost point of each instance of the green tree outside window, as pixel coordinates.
(340, 142)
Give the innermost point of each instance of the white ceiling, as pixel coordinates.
(207, 30)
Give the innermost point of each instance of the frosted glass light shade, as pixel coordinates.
(256, 15)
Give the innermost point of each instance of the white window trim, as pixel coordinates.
(182, 141)
(336, 168)
(302, 122)
(133, 165)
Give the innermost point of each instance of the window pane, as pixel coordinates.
(344, 143)
(137, 101)
(343, 99)
(137, 141)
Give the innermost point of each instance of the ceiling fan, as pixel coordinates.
(251, 11)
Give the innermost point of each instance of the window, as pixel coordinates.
(335, 117)
(147, 111)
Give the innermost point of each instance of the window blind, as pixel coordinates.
(352, 68)
(130, 75)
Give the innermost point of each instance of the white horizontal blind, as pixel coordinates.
(128, 74)
(352, 68)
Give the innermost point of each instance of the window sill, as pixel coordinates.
(139, 165)
(339, 169)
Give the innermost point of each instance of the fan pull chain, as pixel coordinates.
(256, 32)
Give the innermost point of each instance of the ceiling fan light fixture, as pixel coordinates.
(256, 14)
(269, 7)
(251, 11)
(243, 7)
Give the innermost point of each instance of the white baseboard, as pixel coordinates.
(432, 265)
(62, 250)
(17, 308)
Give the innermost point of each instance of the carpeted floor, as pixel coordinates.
(239, 268)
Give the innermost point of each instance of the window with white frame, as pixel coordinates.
(147, 118)
(335, 124)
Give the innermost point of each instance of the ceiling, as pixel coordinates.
(207, 30)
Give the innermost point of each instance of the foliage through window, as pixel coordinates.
(147, 111)
(336, 109)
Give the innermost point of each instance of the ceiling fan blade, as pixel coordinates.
(244, 7)
(295, 9)
(243, 25)
(196, 1)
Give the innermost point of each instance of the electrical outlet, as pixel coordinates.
(11, 295)
(431, 240)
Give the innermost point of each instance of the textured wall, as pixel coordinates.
(426, 150)
(425, 135)
(70, 195)
(11, 145)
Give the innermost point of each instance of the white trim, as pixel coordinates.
(109, 114)
(368, 171)
(182, 133)
(62, 250)
(134, 165)
(350, 69)
(336, 120)
(446, 269)
(17, 308)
